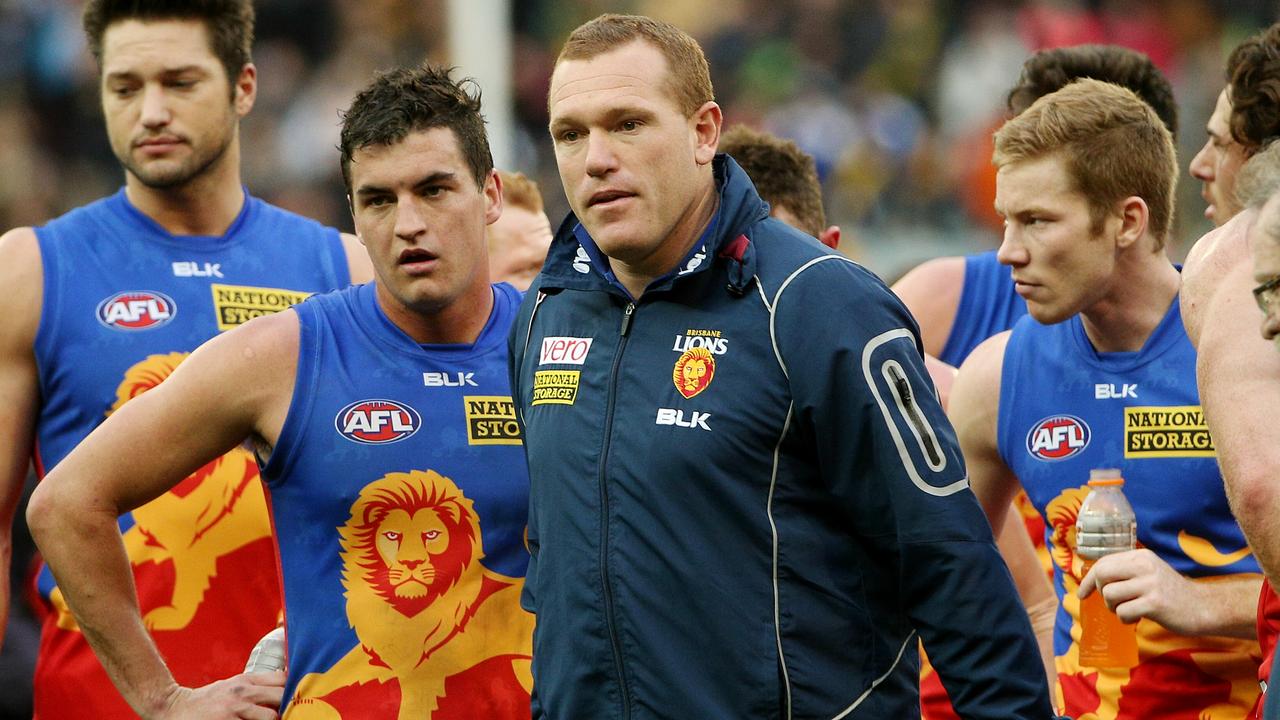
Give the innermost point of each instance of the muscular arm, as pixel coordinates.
(21, 278)
(357, 259)
(931, 291)
(1239, 377)
(237, 385)
(974, 411)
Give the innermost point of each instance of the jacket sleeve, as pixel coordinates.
(517, 341)
(865, 407)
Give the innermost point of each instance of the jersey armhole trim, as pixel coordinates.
(305, 380)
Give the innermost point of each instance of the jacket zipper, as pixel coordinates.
(610, 620)
(903, 389)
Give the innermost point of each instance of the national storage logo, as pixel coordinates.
(238, 304)
(491, 420)
(1162, 432)
(555, 387)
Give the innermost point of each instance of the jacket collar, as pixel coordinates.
(575, 262)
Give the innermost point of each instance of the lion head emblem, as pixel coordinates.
(693, 371)
(410, 540)
(422, 605)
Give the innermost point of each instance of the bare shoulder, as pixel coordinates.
(357, 259)
(22, 280)
(943, 376)
(1230, 342)
(1214, 256)
(980, 374)
(974, 404)
(249, 371)
(931, 291)
(251, 351)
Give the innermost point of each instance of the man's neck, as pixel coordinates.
(1142, 290)
(458, 323)
(636, 277)
(206, 205)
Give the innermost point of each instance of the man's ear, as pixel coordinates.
(1134, 216)
(246, 89)
(492, 197)
(705, 123)
(830, 237)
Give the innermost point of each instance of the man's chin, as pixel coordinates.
(1046, 315)
(162, 178)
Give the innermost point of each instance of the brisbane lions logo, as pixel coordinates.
(693, 371)
(217, 510)
(421, 604)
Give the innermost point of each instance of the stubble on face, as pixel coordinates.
(198, 101)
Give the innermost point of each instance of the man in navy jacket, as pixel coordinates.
(746, 502)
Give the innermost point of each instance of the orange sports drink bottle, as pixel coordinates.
(1106, 525)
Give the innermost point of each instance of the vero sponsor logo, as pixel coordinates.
(1058, 437)
(137, 310)
(564, 350)
(377, 422)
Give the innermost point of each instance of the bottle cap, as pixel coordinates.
(1105, 477)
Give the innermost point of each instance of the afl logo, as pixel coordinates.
(1058, 437)
(377, 422)
(139, 310)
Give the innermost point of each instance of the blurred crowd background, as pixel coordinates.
(896, 100)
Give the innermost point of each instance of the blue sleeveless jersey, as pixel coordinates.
(399, 491)
(124, 303)
(988, 305)
(1066, 409)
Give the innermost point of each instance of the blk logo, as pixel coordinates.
(457, 379)
(1105, 391)
(193, 269)
(377, 422)
(141, 310)
(668, 416)
(1058, 437)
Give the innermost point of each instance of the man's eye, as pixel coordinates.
(629, 125)
(570, 136)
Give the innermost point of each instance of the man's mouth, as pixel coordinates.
(605, 197)
(158, 144)
(416, 259)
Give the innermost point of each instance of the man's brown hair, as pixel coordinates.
(1253, 74)
(229, 24)
(1051, 70)
(406, 100)
(688, 75)
(784, 175)
(1112, 143)
(519, 191)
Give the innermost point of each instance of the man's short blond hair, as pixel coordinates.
(1113, 144)
(520, 191)
(688, 75)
